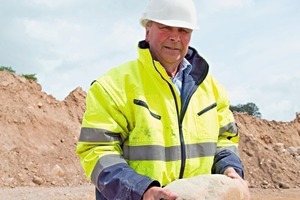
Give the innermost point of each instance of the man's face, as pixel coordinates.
(168, 45)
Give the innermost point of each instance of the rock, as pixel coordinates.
(284, 185)
(40, 105)
(208, 187)
(279, 147)
(294, 151)
(57, 171)
(37, 180)
(298, 116)
(265, 183)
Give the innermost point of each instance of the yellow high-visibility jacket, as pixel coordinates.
(137, 130)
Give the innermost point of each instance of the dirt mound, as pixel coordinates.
(39, 135)
(270, 151)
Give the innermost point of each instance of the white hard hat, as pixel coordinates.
(176, 13)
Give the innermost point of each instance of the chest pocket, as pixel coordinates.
(203, 121)
(144, 104)
(207, 109)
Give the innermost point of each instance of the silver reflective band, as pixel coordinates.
(156, 152)
(233, 149)
(97, 135)
(231, 128)
(103, 162)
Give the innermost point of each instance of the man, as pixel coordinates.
(159, 118)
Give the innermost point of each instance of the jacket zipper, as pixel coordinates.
(181, 138)
(182, 143)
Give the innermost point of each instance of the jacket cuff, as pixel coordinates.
(225, 159)
(121, 182)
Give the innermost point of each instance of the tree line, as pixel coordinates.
(249, 108)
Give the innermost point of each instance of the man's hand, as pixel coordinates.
(230, 172)
(157, 193)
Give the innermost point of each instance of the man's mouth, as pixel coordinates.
(172, 48)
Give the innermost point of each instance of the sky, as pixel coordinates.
(252, 46)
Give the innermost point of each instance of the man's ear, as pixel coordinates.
(147, 34)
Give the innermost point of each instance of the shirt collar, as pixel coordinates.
(184, 66)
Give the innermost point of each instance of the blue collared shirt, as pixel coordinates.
(184, 68)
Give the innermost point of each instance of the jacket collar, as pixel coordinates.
(200, 66)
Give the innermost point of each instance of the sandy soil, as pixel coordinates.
(275, 194)
(86, 192)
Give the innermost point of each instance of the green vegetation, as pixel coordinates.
(27, 76)
(30, 76)
(249, 108)
(9, 69)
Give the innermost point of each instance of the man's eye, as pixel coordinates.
(165, 28)
(185, 30)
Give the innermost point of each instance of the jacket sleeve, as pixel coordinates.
(227, 146)
(104, 129)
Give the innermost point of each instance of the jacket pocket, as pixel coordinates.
(212, 106)
(144, 104)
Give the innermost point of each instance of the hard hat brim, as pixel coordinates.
(172, 23)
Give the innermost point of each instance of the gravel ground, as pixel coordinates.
(86, 192)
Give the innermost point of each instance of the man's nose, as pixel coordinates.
(175, 36)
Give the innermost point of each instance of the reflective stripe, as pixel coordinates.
(233, 148)
(97, 135)
(103, 162)
(201, 150)
(155, 152)
(231, 128)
